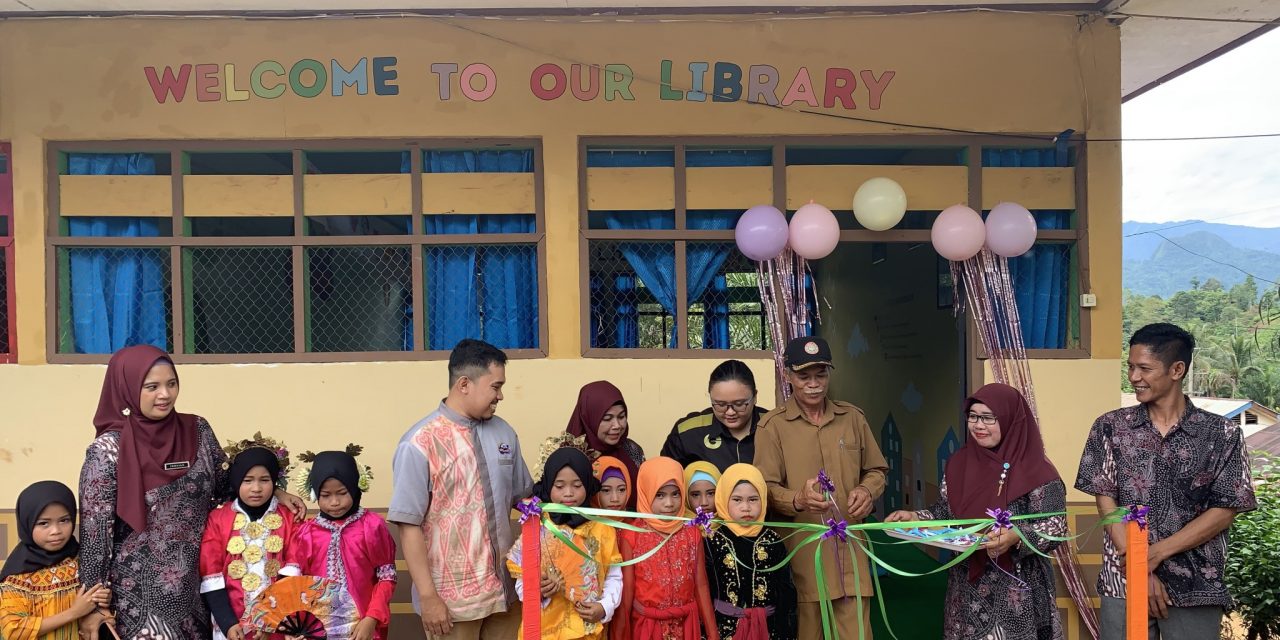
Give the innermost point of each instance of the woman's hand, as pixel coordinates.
(1000, 541)
(901, 516)
(364, 630)
(293, 503)
(235, 633)
(548, 587)
(589, 611)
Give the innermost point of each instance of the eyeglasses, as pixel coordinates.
(738, 406)
(986, 418)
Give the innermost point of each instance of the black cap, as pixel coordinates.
(804, 352)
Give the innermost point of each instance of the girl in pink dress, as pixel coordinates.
(347, 544)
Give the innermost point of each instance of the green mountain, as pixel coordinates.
(1198, 255)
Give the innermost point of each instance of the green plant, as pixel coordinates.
(1253, 561)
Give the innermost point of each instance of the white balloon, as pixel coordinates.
(879, 204)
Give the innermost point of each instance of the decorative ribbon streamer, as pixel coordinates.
(531, 567)
(702, 520)
(836, 530)
(1136, 573)
(1003, 519)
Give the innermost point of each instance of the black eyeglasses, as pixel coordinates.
(986, 418)
(738, 405)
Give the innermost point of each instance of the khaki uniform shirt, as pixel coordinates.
(842, 444)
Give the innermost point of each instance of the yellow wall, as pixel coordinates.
(83, 79)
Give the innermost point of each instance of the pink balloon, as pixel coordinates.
(814, 232)
(958, 233)
(1011, 230)
(761, 233)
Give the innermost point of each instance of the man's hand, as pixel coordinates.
(435, 615)
(1156, 554)
(901, 516)
(1158, 600)
(860, 503)
(810, 499)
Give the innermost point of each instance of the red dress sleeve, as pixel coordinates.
(297, 553)
(213, 549)
(710, 630)
(382, 555)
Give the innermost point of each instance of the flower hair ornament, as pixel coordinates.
(302, 479)
(561, 441)
(258, 440)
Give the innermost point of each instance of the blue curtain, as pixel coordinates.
(653, 262)
(488, 292)
(117, 295)
(706, 283)
(1041, 277)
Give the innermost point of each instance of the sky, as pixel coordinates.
(1235, 180)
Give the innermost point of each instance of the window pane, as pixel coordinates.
(238, 227)
(631, 157)
(258, 163)
(724, 309)
(353, 162)
(489, 292)
(359, 225)
(1042, 280)
(241, 299)
(454, 223)
(632, 295)
(109, 299)
(928, 156)
(360, 298)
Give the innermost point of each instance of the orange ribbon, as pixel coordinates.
(1136, 577)
(531, 577)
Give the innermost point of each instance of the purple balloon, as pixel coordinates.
(958, 233)
(1011, 230)
(761, 233)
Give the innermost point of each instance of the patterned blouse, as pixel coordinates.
(27, 599)
(154, 574)
(1021, 605)
(1199, 465)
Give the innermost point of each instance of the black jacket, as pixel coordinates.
(700, 436)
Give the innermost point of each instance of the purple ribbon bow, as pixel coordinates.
(702, 520)
(529, 508)
(1138, 513)
(824, 482)
(1004, 519)
(836, 530)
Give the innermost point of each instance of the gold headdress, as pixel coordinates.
(302, 479)
(561, 441)
(258, 440)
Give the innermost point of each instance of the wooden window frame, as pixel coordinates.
(10, 262)
(417, 241)
(680, 236)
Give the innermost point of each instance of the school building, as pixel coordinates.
(309, 210)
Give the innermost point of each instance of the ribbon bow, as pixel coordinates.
(836, 530)
(529, 508)
(824, 482)
(1138, 513)
(1003, 519)
(702, 520)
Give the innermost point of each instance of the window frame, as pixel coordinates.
(973, 145)
(10, 261)
(417, 241)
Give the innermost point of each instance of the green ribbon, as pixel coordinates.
(815, 531)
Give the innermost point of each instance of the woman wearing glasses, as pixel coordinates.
(1005, 590)
(724, 433)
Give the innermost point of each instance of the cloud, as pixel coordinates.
(1205, 179)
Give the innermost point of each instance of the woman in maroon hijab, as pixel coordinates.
(1005, 590)
(148, 483)
(601, 416)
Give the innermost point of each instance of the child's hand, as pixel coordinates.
(364, 630)
(86, 601)
(549, 586)
(590, 611)
(235, 633)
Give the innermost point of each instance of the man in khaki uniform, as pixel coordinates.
(821, 434)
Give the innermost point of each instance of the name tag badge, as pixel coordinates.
(176, 466)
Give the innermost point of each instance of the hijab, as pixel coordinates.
(698, 471)
(29, 557)
(606, 466)
(733, 476)
(973, 472)
(576, 460)
(146, 446)
(244, 462)
(594, 400)
(655, 474)
(341, 466)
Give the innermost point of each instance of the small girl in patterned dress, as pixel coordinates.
(245, 539)
(347, 544)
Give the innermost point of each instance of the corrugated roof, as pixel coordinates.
(1225, 407)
